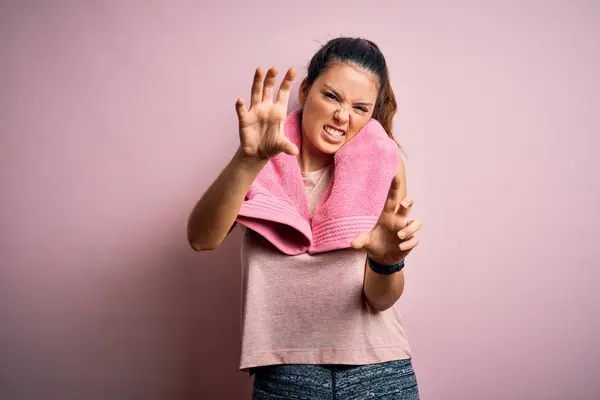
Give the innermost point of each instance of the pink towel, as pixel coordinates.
(276, 205)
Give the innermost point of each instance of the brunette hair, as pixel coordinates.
(366, 54)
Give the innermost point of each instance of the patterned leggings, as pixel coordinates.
(385, 381)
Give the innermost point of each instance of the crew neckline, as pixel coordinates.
(317, 172)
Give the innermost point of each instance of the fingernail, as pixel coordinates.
(401, 235)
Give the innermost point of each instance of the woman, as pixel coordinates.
(320, 324)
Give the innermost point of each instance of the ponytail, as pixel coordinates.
(386, 107)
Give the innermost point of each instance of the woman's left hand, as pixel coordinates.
(392, 238)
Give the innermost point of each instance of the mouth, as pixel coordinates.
(334, 132)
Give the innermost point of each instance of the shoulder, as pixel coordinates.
(402, 173)
(401, 167)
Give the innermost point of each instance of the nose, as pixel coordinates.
(341, 116)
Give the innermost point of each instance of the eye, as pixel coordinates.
(330, 95)
(361, 109)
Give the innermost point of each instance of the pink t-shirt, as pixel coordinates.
(310, 309)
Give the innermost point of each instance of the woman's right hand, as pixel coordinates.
(262, 126)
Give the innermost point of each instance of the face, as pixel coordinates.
(335, 108)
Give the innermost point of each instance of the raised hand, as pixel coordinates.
(392, 238)
(261, 127)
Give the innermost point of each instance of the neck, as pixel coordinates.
(312, 159)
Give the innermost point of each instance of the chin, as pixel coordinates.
(328, 148)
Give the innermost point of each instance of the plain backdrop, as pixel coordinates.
(115, 116)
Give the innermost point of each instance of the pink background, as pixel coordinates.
(115, 116)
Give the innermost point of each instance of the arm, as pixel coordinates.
(382, 291)
(214, 215)
(261, 138)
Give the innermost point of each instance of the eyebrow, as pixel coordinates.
(362, 103)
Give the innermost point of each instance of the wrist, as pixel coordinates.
(249, 163)
(383, 259)
(385, 267)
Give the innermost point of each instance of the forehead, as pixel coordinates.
(350, 81)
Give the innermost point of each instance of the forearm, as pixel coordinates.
(381, 290)
(215, 213)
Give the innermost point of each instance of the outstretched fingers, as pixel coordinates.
(405, 206)
(240, 109)
(283, 94)
(391, 201)
(257, 88)
(267, 93)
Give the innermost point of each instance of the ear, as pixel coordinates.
(303, 92)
